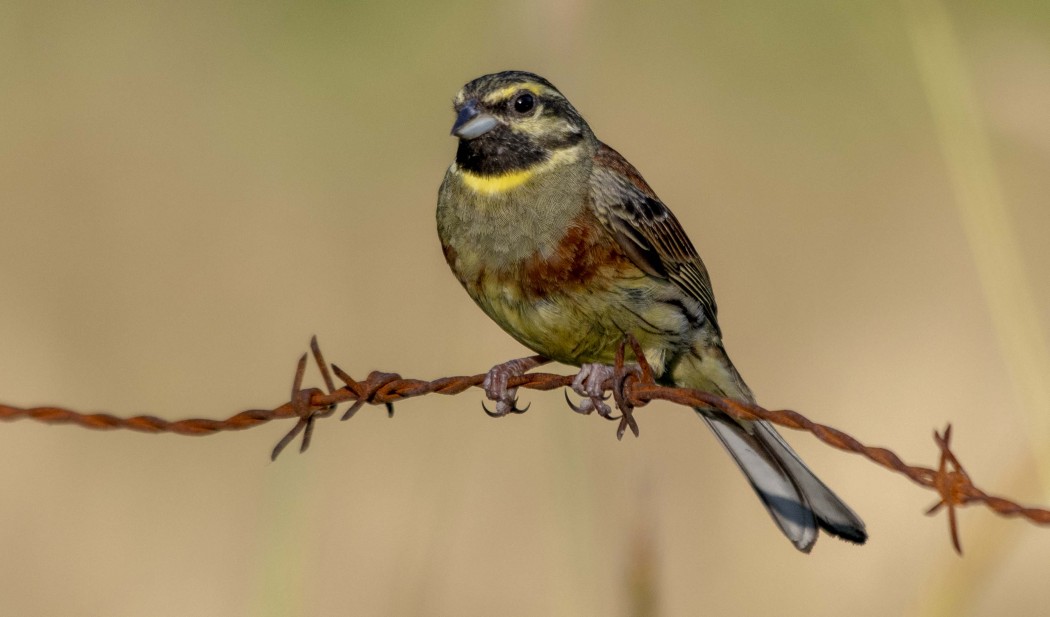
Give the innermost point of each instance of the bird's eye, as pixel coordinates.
(524, 103)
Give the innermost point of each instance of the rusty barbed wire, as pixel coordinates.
(631, 389)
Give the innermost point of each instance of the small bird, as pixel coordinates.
(563, 243)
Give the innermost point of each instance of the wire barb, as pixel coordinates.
(631, 389)
(300, 402)
(622, 372)
(951, 482)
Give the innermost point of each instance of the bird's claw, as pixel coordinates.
(590, 384)
(504, 407)
(495, 385)
(590, 405)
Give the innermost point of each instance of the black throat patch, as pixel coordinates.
(499, 151)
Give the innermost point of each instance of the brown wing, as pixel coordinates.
(646, 229)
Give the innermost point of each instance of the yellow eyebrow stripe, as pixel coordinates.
(505, 93)
(491, 185)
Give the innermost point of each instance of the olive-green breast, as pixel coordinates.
(541, 265)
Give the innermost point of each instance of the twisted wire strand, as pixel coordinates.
(630, 391)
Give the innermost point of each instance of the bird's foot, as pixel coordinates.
(590, 384)
(496, 380)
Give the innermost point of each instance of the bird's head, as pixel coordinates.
(513, 121)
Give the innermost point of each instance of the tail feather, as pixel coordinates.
(782, 497)
(798, 501)
(832, 514)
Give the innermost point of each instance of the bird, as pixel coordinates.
(562, 242)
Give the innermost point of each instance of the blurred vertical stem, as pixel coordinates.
(572, 512)
(643, 598)
(280, 570)
(986, 217)
(990, 232)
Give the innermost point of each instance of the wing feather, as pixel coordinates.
(646, 229)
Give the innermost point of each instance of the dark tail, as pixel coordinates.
(798, 501)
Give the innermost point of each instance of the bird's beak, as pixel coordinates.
(471, 123)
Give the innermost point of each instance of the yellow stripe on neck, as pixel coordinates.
(494, 185)
(491, 185)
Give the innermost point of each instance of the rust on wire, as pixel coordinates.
(632, 386)
(950, 484)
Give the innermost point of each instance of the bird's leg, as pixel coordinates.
(590, 384)
(495, 384)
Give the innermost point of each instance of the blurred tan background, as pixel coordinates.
(188, 191)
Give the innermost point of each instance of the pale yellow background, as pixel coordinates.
(188, 191)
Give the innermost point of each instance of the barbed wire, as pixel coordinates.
(631, 389)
